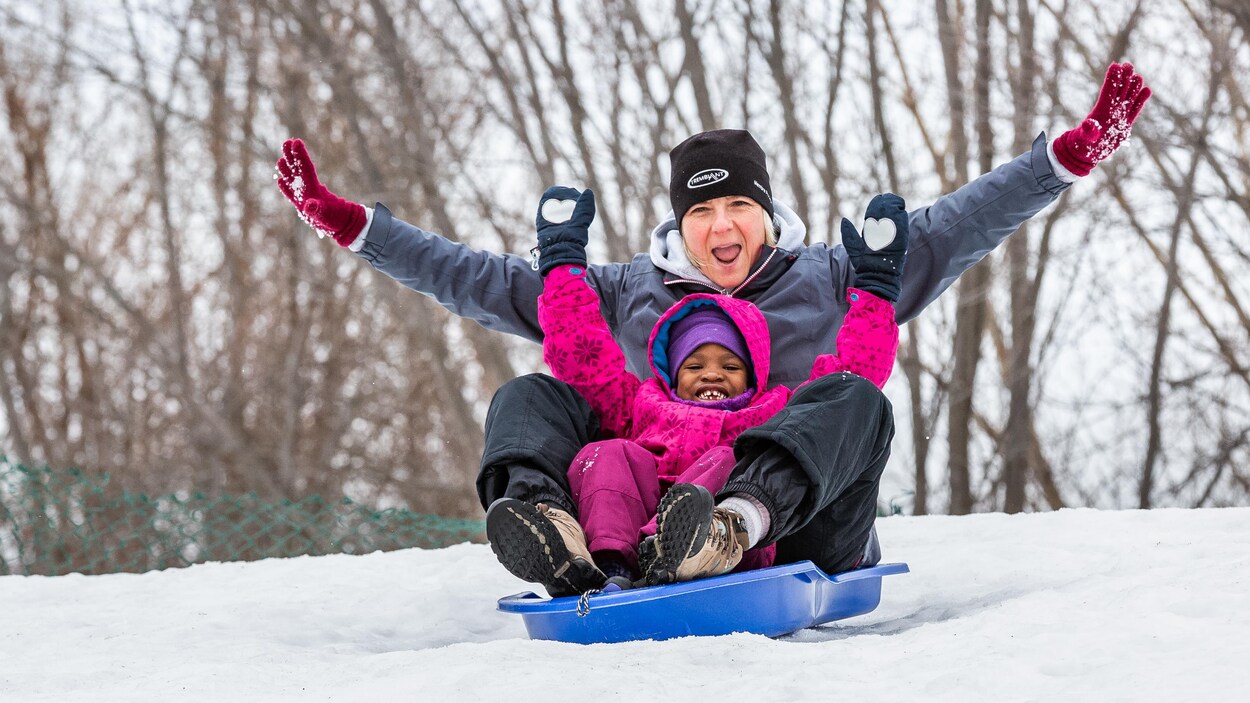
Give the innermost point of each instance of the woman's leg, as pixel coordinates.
(536, 425)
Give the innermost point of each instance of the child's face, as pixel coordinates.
(711, 373)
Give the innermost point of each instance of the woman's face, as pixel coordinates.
(724, 237)
(711, 373)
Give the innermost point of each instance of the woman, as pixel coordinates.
(537, 425)
(710, 354)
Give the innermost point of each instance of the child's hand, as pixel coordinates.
(878, 254)
(324, 211)
(564, 217)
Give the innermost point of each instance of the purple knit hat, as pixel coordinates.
(706, 324)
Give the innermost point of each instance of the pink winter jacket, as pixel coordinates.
(580, 349)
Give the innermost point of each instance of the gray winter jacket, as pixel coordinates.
(800, 289)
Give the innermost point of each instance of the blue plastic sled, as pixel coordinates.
(772, 602)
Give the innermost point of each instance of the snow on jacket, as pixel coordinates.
(800, 289)
(579, 348)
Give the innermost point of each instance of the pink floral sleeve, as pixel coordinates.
(580, 349)
(867, 342)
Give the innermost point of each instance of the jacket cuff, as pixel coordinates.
(565, 286)
(858, 297)
(377, 231)
(1043, 168)
(754, 491)
(565, 272)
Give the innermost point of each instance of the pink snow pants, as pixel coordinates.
(617, 487)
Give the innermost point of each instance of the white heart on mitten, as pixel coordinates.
(878, 233)
(557, 211)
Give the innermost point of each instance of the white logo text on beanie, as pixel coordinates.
(707, 177)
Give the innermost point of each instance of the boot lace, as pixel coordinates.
(723, 534)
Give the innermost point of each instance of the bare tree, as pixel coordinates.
(164, 316)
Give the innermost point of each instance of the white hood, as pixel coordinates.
(668, 254)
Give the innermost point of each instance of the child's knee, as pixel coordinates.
(613, 464)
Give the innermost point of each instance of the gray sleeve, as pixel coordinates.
(954, 233)
(631, 298)
(609, 283)
(499, 292)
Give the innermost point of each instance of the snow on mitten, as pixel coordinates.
(324, 211)
(879, 253)
(1121, 99)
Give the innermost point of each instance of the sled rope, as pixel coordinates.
(583, 603)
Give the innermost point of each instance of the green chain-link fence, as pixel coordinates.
(65, 521)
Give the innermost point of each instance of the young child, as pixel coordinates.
(710, 358)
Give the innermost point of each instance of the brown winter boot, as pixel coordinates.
(694, 538)
(542, 544)
(570, 531)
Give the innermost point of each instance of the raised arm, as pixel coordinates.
(577, 344)
(959, 229)
(868, 339)
(499, 292)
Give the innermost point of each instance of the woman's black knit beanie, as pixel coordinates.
(715, 164)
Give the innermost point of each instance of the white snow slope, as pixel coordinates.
(1075, 605)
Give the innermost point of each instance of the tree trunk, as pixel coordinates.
(1019, 374)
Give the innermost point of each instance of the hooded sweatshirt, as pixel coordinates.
(579, 348)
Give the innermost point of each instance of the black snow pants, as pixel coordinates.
(535, 427)
(816, 466)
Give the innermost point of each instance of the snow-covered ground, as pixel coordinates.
(1074, 605)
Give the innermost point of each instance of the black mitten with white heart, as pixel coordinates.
(564, 217)
(878, 254)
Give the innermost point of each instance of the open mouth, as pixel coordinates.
(727, 254)
(710, 395)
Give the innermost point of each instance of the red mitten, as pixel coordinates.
(322, 210)
(1121, 99)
